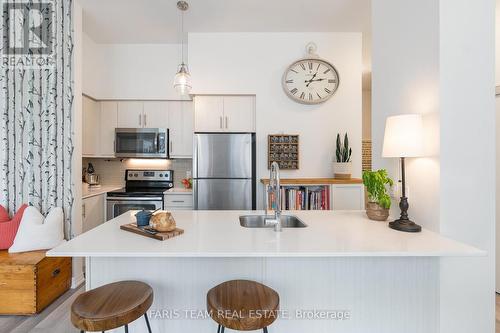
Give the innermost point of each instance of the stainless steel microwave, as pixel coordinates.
(141, 142)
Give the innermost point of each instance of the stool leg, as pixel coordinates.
(264, 329)
(218, 329)
(222, 330)
(147, 322)
(126, 328)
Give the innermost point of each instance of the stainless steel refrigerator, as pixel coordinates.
(224, 171)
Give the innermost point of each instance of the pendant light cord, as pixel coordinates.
(182, 36)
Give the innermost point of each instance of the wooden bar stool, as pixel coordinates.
(112, 305)
(243, 305)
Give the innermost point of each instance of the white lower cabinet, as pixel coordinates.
(348, 197)
(93, 212)
(179, 201)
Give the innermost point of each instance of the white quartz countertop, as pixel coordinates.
(90, 191)
(219, 234)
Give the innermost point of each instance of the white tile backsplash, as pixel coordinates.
(112, 172)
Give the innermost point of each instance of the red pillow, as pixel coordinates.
(8, 227)
(4, 215)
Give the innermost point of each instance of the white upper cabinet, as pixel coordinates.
(181, 118)
(224, 113)
(209, 114)
(108, 123)
(239, 113)
(155, 114)
(130, 114)
(90, 127)
(101, 118)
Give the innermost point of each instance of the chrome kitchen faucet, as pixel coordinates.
(274, 187)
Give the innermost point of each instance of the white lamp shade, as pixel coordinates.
(403, 136)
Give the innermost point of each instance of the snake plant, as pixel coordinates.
(343, 152)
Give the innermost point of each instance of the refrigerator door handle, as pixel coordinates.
(195, 194)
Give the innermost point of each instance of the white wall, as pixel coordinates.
(420, 51)
(497, 44)
(405, 78)
(130, 71)
(253, 63)
(468, 143)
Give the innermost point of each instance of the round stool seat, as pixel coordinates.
(243, 305)
(111, 306)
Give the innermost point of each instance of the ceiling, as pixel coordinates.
(158, 21)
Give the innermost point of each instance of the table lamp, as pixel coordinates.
(403, 138)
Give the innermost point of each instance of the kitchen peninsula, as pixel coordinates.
(340, 262)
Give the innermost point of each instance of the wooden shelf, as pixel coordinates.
(315, 181)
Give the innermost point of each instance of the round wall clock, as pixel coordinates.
(310, 80)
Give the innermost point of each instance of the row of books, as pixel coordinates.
(303, 198)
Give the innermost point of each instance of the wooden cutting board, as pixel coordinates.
(132, 227)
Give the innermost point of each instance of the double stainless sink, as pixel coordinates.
(259, 221)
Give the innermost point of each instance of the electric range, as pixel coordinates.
(143, 189)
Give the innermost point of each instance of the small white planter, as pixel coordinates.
(342, 170)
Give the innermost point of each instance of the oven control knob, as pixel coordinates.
(161, 175)
(136, 175)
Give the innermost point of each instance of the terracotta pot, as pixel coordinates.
(375, 212)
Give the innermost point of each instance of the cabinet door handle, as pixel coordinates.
(140, 120)
(226, 122)
(83, 210)
(220, 121)
(171, 146)
(145, 120)
(178, 201)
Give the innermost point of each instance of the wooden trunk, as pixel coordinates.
(30, 281)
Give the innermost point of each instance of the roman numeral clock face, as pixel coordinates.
(310, 81)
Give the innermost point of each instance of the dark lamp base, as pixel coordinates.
(405, 225)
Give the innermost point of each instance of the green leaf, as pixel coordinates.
(376, 183)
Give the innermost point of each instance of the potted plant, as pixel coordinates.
(379, 201)
(342, 167)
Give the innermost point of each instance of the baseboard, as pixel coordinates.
(77, 281)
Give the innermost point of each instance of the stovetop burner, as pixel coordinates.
(145, 183)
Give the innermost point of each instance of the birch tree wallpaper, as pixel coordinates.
(36, 106)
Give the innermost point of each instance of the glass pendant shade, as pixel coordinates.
(182, 80)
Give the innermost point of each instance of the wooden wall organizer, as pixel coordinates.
(284, 149)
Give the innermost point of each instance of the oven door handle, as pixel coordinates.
(123, 200)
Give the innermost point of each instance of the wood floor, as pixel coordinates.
(54, 319)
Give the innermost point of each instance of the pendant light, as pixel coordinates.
(182, 81)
